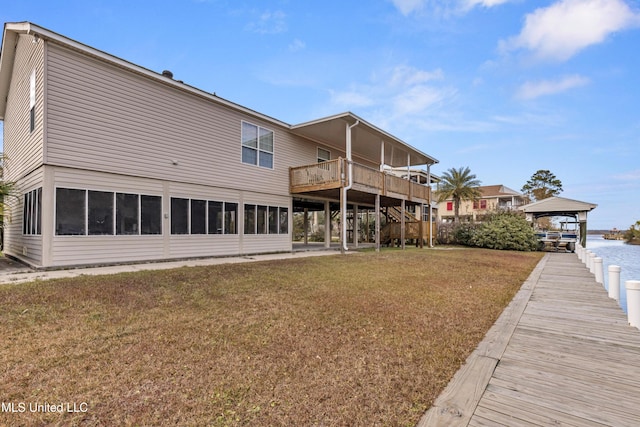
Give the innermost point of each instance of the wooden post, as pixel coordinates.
(583, 233)
(327, 224)
(356, 224)
(402, 224)
(378, 222)
(305, 223)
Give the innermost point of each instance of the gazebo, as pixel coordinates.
(560, 206)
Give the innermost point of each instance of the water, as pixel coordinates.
(616, 252)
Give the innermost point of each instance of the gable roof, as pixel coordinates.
(497, 190)
(366, 139)
(558, 206)
(329, 131)
(14, 29)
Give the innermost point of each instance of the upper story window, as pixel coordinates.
(449, 206)
(32, 101)
(323, 155)
(257, 145)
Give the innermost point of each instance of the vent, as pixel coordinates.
(167, 73)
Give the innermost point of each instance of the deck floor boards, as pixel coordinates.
(564, 354)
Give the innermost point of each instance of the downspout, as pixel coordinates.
(430, 202)
(348, 186)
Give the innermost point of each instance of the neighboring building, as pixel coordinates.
(117, 163)
(494, 197)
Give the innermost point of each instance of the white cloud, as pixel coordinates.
(563, 29)
(351, 98)
(406, 7)
(418, 99)
(443, 7)
(531, 90)
(268, 23)
(632, 176)
(469, 4)
(404, 75)
(297, 45)
(400, 90)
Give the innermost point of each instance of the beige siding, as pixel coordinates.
(23, 148)
(24, 247)
(108, 119)
(80, 250)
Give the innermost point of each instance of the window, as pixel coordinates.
(104, 213)
(198, 216)
(150, 215)
(179, 216)
(483, 204)
(126, 214)
(273, 220)
(32, 101)
(230, 218)
(216, 217)
(100, 213)
(284, 220)
(257, 145)
(32, 212)
(449, 206)
(70, 212)
(323, 155)
(249, 219)
(262, 219)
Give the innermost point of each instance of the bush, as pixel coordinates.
(501, 230)
(463, 233)
(505, 231)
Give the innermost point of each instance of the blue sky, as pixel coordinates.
(505, 87)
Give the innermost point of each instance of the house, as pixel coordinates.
(494, 197)
(117, 163)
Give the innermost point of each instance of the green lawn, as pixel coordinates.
(359, 340)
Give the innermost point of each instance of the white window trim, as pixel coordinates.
(273, 155)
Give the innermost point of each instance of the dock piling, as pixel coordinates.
(633, 302)
(614, 282)
(598, 270)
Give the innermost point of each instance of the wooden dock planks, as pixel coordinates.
(562, 352)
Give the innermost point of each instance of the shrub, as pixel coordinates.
(505, 231)
(463, 233)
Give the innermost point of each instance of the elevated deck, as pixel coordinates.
(326, 178)
(562, 353)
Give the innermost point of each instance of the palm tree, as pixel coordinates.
(458, 184)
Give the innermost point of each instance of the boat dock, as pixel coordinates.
(562, 353)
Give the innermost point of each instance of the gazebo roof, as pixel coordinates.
(557, 206)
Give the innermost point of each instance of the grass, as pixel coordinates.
(360, 340)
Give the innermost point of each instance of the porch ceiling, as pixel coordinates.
(365, 142)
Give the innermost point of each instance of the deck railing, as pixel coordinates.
(333, 174)
(369, 177)
(325, 175)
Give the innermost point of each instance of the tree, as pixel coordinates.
(458, 184)
(6, 191)
(542, 185)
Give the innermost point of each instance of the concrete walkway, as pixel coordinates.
(14, 272)
(562, 353)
